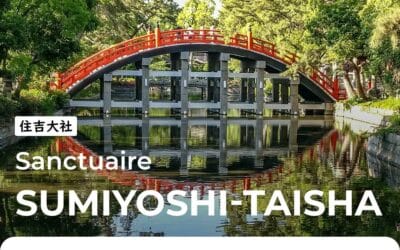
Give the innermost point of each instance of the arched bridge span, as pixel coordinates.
(266, 61)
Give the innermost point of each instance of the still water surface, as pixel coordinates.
(207, 153)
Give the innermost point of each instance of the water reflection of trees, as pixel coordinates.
(40, 225)
(342, 166)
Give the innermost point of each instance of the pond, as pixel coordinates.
(196, 153)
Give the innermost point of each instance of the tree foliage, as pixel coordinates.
(351, 35)
(280, 21)
(197, 14)
(124, 19)
(44, 32)
(359, 38)
(385, 41)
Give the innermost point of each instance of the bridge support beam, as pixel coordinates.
(260, 70)
(106, 93)
(146, 85)
(294, 96)
(223, 91)
(185, 82)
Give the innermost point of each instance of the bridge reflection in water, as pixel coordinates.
(214, 152)
(201, 154)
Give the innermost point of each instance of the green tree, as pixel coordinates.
(337, 27)
(321, 32)
(279, 21)
(41, 34)
(124, 19)
(197, 14)
(383, 18)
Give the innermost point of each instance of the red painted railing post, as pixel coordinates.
(249, 38)
(336, 88)
(157, 34)
(148, 38)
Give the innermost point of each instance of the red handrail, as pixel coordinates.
(168, 38)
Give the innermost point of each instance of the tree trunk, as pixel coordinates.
(373, 82)
(359, 84)
(347, 85)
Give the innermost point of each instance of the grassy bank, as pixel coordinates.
(391, 103)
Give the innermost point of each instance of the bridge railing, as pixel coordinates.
(104, 57)
(331, 86)
(193, 36)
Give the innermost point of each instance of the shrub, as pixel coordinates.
(35, 101)
(391, 103)
(393, 128)
(8, 108)
(59, 97)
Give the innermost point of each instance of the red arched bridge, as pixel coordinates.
(259, 59)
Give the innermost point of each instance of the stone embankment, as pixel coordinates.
(383, 156)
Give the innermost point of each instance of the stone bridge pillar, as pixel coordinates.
(224, 59)
(184, 83)
(146, 85)
(294, 95)
(260, 80)
(106, 93)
